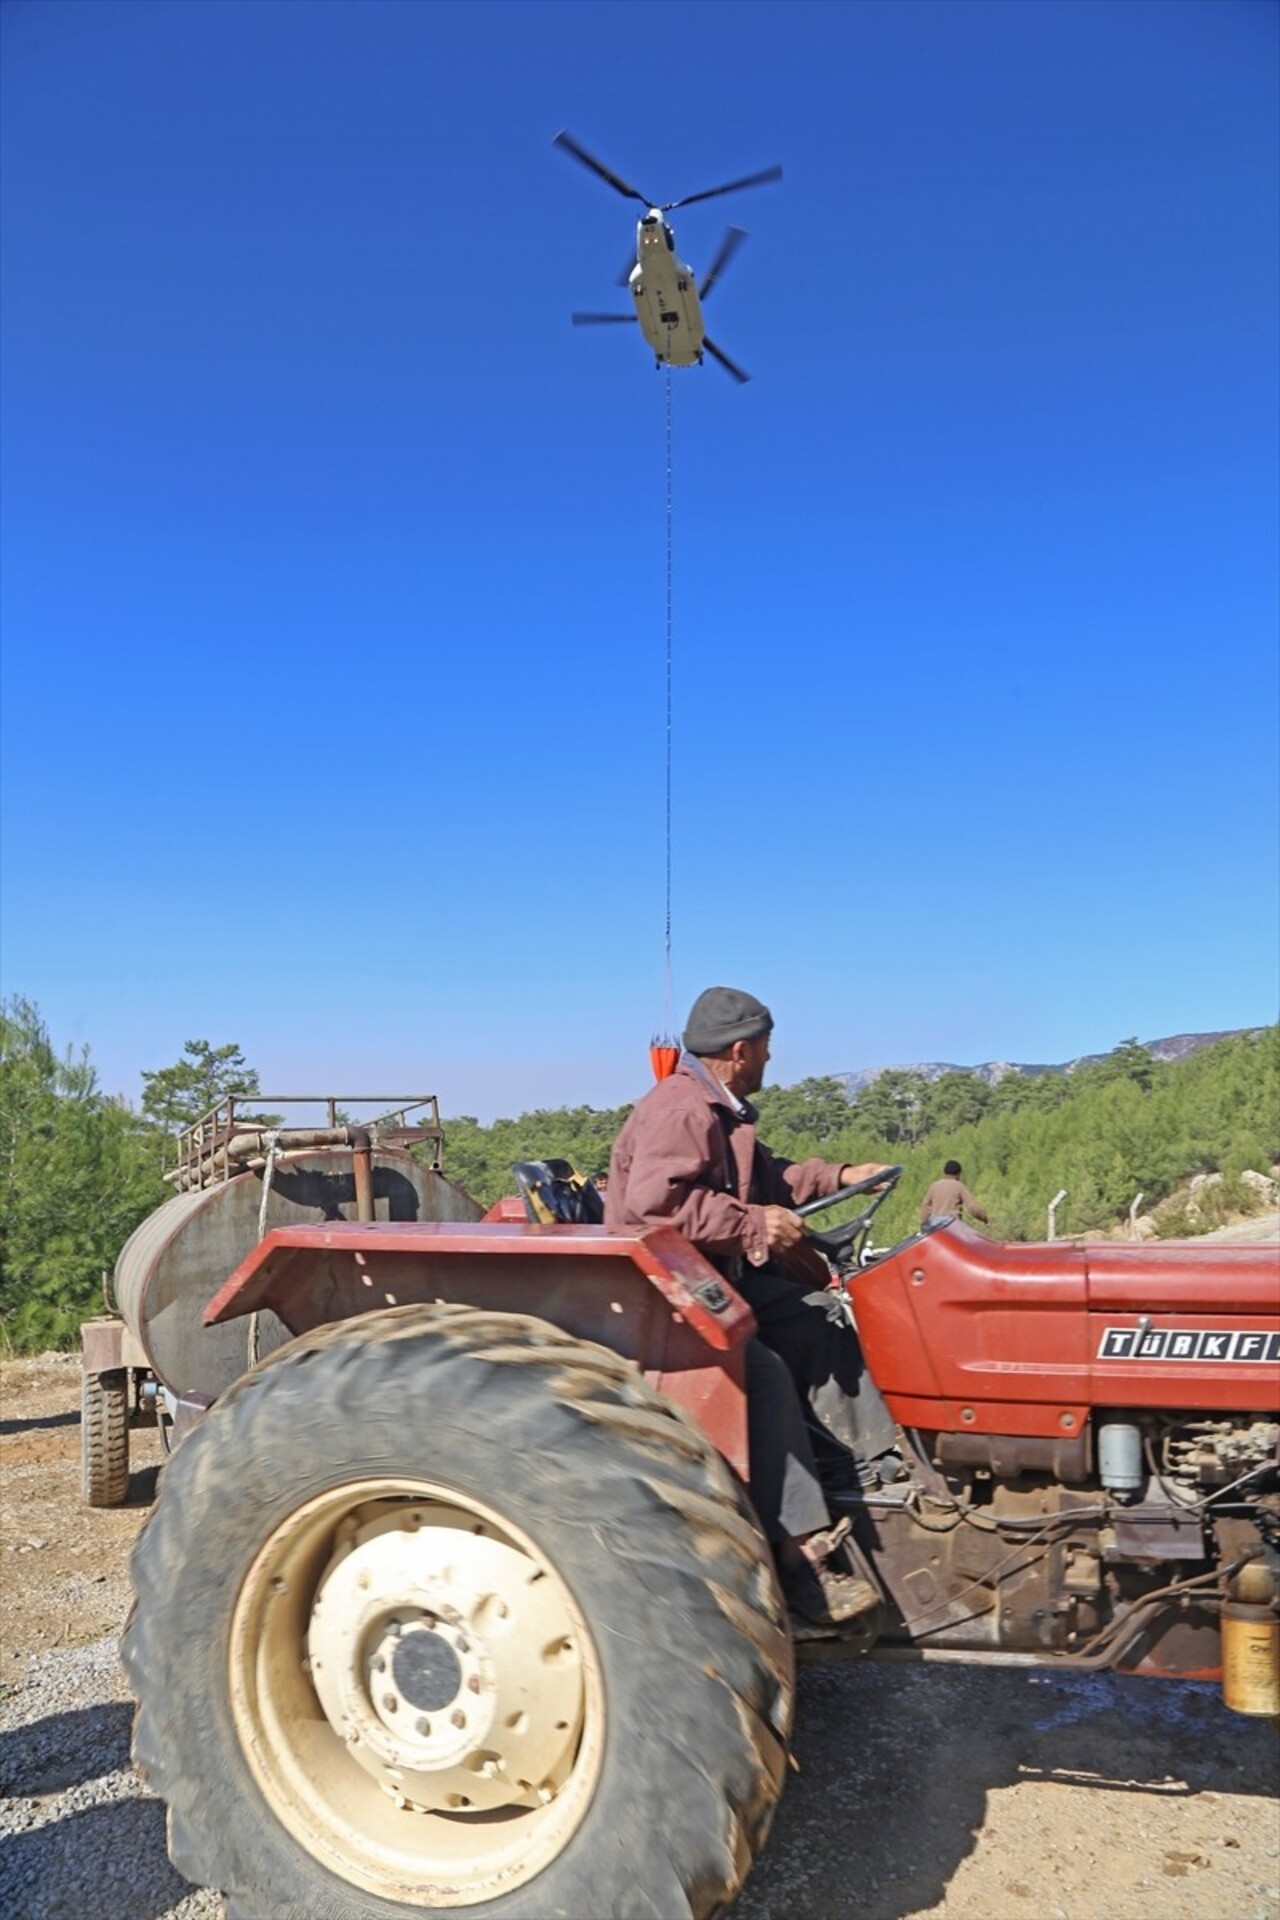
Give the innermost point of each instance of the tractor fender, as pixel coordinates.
(649, 1296)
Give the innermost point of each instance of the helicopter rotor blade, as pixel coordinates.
(732, 186)
(730, 366)
(603, 319)
(733, 239)
(624, 187)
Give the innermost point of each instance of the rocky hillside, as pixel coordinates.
(1175, 1047)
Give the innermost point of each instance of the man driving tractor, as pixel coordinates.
(688, 1156)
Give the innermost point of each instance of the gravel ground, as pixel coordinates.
(82, 1836)
(921, 1793)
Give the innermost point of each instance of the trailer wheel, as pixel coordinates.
(104, 1438)
(444, 1610)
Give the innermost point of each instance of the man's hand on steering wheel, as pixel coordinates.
(783, 1228)
(839, 1242)
(869, 1177)
(786, 1227)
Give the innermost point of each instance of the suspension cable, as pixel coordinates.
(666, 977)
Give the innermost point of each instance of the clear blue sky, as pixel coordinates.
(333, 557)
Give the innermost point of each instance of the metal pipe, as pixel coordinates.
(249, 1147)
(207, 1158)
(241, 1145)
(393, 1102)
(245, 1147)
(1133, 1215)
(362, 1168)
(197, 1173)
(1054, 1204)
(1100, 1652)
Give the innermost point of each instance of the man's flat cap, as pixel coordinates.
(722, 1015)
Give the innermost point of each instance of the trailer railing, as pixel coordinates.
(236, 1134)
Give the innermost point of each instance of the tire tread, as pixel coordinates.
(104, 1438)
(593, 1434)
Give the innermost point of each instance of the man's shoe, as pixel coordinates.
(822, 1545)
(824, 1596)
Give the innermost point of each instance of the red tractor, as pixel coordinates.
(455, 1600)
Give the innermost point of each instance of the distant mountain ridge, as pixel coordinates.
(1176, 1047)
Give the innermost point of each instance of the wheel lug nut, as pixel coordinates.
(458, 1717)
(422, 1725)
(390, 1702)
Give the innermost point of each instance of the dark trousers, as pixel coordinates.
(785, 1488)
(824, 1357)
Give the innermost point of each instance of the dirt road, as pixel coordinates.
(922, 1793)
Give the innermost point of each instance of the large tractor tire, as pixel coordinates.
(443, 1611)
(104, 1438)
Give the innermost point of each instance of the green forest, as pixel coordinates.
(80, 1169)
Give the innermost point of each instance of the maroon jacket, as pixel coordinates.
(688, 1157)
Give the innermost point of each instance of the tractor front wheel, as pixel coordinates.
(444, 1610)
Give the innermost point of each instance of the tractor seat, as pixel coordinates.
(554, 1191)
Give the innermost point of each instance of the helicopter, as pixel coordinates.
(668, 299)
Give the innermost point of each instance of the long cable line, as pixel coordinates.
(666, 981)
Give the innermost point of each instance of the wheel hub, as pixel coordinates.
(425, 1670)
(425, 1683)
(446, 1662)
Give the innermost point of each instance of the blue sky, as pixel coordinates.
(334, 567)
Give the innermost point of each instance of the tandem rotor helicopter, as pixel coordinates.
(667, 296)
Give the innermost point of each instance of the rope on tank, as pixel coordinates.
(272, 1139)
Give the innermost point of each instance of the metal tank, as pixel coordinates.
(237, 1178)
(172, 1265)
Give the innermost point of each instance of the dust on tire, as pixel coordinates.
(631, 1508)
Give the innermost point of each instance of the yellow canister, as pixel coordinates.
(1250, 1658)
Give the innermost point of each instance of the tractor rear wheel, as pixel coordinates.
(441, 1609)
(104, 1438)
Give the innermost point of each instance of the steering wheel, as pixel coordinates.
(837, 1243)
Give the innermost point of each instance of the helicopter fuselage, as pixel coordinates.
(665, 293)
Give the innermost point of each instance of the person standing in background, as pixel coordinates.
(950, 1195)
